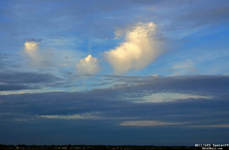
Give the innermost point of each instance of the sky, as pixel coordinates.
(103, 72)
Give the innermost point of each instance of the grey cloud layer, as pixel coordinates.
(119, 97)
(21, 80)
(112, 111)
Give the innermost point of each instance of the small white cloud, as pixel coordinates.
(32, 49)
(148, 123)
(137, 51)
(39, 58)
(88, 66)
(31, 46)
(168, 97)
(155, 75)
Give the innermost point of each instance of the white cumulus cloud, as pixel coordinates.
(31, 46)
(138, 50)
(32, 49)
(88, 66)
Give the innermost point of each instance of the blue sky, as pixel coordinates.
(114, 72)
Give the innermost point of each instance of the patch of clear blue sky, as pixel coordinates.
(188, 46)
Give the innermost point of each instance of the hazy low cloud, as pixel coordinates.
(138, 50)
(110, 107)
(15, 81)
(210, 126)
(27, 77)
(85, 116)
(88, 66)
(14, 87)
(148, 123)
(169, 97)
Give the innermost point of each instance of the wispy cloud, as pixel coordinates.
(145, 123)
(210, 126)
(137, 51)
(91, 115)
(168, 97)
(85, 116)
(183, 68)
